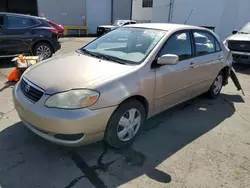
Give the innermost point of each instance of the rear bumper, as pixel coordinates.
(57, 46)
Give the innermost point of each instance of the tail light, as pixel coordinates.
(53, 30)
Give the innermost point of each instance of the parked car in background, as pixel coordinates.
(102, 29)
(108, 88)
(21, 34)
(239, 44)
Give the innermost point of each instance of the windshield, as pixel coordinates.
(245, 29)
(130, 45)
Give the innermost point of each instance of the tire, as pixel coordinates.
(115, 134)
(43, 49)
(216, 87)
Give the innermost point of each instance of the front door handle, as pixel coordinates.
(192, 65)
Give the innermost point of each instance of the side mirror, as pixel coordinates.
(168, 59)
(234, 32)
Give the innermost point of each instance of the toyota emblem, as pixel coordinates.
(242, 45)
(27, 88)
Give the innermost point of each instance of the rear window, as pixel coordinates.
(20, 22)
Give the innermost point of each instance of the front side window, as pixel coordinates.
(178, 44)
(204, 43)
(19, 22)
(147, 3)
(130, 45)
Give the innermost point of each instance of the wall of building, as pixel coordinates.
(98, 13)
(76, 12)
(223, 15)
(63, 12)
(122, 9)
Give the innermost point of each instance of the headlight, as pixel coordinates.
(73, 99)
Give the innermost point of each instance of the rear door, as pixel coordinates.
(18, 35)
(209, 60)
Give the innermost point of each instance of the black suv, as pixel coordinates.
(25, 34)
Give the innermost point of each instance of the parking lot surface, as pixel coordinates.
(200, 144)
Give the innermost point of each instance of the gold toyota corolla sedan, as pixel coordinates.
(108, 88)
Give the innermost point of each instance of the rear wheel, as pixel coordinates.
(215, 89)
(125, 124)
(43, 50)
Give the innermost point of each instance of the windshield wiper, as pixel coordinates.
(104, 57)
(84, 51)
(115, 59)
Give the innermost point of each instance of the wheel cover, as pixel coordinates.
(218, 84)
(43, 51)
(129, 124)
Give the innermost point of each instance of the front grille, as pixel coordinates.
(30, 91)
(239, 57)
(240, 46)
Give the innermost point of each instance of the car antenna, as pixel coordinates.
(189, 16)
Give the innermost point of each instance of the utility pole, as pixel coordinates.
(170, 13)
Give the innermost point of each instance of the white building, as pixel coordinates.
(222, 16)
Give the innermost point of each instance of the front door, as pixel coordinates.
(173, 82)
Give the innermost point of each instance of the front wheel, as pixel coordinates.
(43, 50)
(125, 124)
(215, 89)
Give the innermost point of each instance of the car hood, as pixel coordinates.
(72, 71)
(107, 26)
(240, 37)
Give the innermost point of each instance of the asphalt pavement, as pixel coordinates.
(200, 144)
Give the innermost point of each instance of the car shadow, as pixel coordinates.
(28, 161)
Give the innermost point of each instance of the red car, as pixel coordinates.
(60, 29)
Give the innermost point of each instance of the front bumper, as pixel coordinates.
(49, 122)
(241, 57)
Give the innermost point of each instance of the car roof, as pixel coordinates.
(165, 26)
(23, 15)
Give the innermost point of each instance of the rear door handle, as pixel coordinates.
(192, 65)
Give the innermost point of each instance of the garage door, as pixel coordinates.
(98, 13)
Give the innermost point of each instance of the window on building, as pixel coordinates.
(1, 22)
(19, 22)
(147, 3)
(178, 44)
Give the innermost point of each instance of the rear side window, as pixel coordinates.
(19, 22)
(205, 43)
(1, 21)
